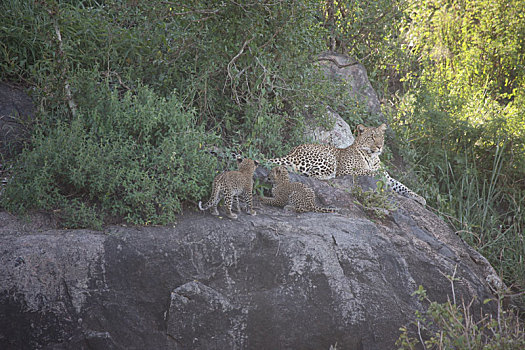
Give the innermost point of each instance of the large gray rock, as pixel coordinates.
(339, 67)
(277, 280)
(347, 69)
(338, 135)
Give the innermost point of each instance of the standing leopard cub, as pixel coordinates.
(295, 195)
(230, 185)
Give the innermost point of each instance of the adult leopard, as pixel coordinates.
(361, 158)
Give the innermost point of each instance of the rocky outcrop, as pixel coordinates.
(342, 67)
(277, 280)
(338, 135)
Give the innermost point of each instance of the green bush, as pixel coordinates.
(245, 70)
(375, 201)
(136, 157)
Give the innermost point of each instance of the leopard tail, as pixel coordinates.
(398, 187)
(206, 206)
(212, 202)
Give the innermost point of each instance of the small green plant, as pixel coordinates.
(261, 187)
(79, 214)
(375, 201)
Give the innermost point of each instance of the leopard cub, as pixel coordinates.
(294, 195)
(230, 185)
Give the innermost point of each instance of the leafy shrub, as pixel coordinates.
(246, 68)
(136, 157)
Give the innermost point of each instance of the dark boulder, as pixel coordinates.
(16, 114)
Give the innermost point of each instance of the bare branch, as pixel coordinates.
(420, 336)
(231, 63)
(337, 63)
(69, 96)
(111, 73)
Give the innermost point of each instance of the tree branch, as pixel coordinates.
(232, 62)
(69, 96)
(334, 61)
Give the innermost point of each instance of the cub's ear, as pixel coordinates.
(360, 128)
(382, 127)
(239, 159)
(256, 162)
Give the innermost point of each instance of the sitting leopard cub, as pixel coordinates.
(230, 185)
(361, 158)
(295, 195)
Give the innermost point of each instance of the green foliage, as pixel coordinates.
(136, 157)
(260, 187)
(476, 45)
(24, 51)
(368, 31)
(452, 326)
(462, 114)
(473, 174)
(245, 67)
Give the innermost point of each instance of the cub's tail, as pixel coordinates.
(206, 206)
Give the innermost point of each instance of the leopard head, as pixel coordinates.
(278, 175)
(371, 139)
(247, 164)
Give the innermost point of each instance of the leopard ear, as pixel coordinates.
(239, 159)
(360, 128)
(382, 127)
(256, 162)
